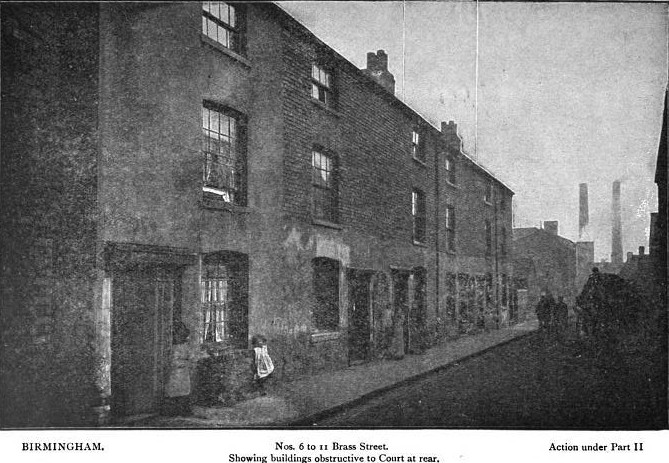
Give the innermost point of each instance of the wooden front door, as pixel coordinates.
(359, 309)
(142, 310)
(401, 309)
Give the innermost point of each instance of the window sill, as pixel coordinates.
(325, 336)
(225, 50)
(420, 244)
(326, 223)
(216, 350)
(208, 203)
(419, 161)
(327, 108)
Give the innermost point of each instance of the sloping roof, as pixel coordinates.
(284, 15)
(520, 233)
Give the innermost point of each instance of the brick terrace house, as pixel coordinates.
(220, 165)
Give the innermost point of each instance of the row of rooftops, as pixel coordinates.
(379, 59)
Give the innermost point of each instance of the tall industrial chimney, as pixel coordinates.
(616, 231)
(583, 218)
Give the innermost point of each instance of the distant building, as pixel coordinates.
(545, 262)
(648, 271)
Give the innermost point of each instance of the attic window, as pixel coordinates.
(321, 84)
(417, 151)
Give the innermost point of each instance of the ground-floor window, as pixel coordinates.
(326, 293)
(224, 297)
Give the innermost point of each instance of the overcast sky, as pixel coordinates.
(567, 93)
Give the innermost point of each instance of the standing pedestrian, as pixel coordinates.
(550, 309)
(177, 400)
(561, 314)
(543, 311)
(263, 363)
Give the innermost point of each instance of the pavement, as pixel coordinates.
(300, 402)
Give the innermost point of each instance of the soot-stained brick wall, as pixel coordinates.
(49, 213)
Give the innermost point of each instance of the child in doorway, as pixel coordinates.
(263, 363)
(177, 393)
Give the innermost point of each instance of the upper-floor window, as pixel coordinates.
(417, 151)
(450, 170)
(224, 23)
(224, 149)
(450, 228)
(324, 186)
(502, 242)
(488, 238)
(321, 84)
(487, 193)
(419, 213)
(505, 289)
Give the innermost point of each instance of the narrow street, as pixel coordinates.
(537, 382)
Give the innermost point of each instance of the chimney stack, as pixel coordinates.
(377, 69)
(616, 230)
(582, 209)
(551, 226)
(449, 128)
(450, 131)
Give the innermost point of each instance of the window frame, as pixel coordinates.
(237, 30)
(503, 243)
(324, 191)
(417, 145)
(230, 271)
(451, 176)
(505, 291)
(488, 238)
(235, 166)
(322, 86)
(419, 216)
(215, 312)
(450, 228)
(488, 193)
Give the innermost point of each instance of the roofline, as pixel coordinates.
(536, 230)
(393, 99)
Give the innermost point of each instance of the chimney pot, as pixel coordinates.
(629, 256)
(449, 127)
(551, 226)
(642, 250)
(372, 62)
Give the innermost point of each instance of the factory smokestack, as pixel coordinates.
(583, 217)
(616, 231)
